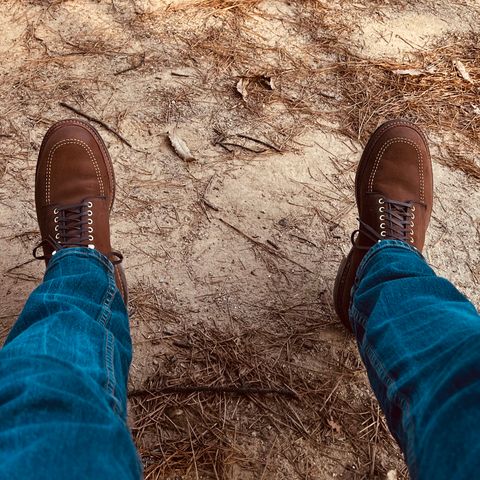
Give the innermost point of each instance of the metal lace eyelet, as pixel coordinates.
(412, 232)
(55, 219)
(381, 209)
(90, 221)
(382, 217)
(412, 224)
(55, 211)
(383, 233)
(412, 241)
(90, 204)
(90, 230)
(413, 208)
(382, 226)
(57, 236)
(89, 213)
(381, 200)
(90, 237)
(56, 228)
(413, 216)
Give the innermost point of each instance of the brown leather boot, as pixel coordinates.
(74, 193)
(394, 193)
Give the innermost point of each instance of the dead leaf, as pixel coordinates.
(267, 82)
(392, 475)
(463, 71)
(412, 72)
(180, 147)
(335, 426)
(242, 87)
(173, 412)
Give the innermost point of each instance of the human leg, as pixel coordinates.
(417, 335)
(63, 377)
(420, 341)
(64, 367)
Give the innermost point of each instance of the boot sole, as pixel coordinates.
(122, 282)
(339, 287)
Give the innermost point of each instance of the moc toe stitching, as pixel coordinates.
(382, 152)
(65, 142)
(106, 160)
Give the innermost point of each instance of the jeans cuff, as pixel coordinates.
(382, 245)
(88, 254)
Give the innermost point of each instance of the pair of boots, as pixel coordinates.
(75, 190)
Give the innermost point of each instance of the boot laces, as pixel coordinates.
(397, 222)
(73, 228)
(74, 225)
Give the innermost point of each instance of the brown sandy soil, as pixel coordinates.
(240, 369)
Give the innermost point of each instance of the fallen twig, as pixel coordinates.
(132, 67)
(264, 246)
(96, 120)
(233, 144)
(214, 389)
(261, 142)
(304, 239)
(274, 245)
(208, 203)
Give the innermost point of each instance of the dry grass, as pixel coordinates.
(319, 80)
(436, 95)
(223, 5)
(463, 161)
(228, 47)
(237, 396)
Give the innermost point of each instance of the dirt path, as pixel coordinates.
(231, 258)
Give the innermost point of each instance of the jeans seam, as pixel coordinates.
(108, 354)
(356, 316)
(111, 382)
(379, 246)
(399, 398)
(106, 310)
(104, 319)
(104, 316)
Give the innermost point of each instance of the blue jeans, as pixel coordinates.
(64, 369)
(63, 377)
(420, 341)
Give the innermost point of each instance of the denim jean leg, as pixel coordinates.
(63, 377)
(420, 341)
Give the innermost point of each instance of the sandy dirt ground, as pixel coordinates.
(240, 368)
